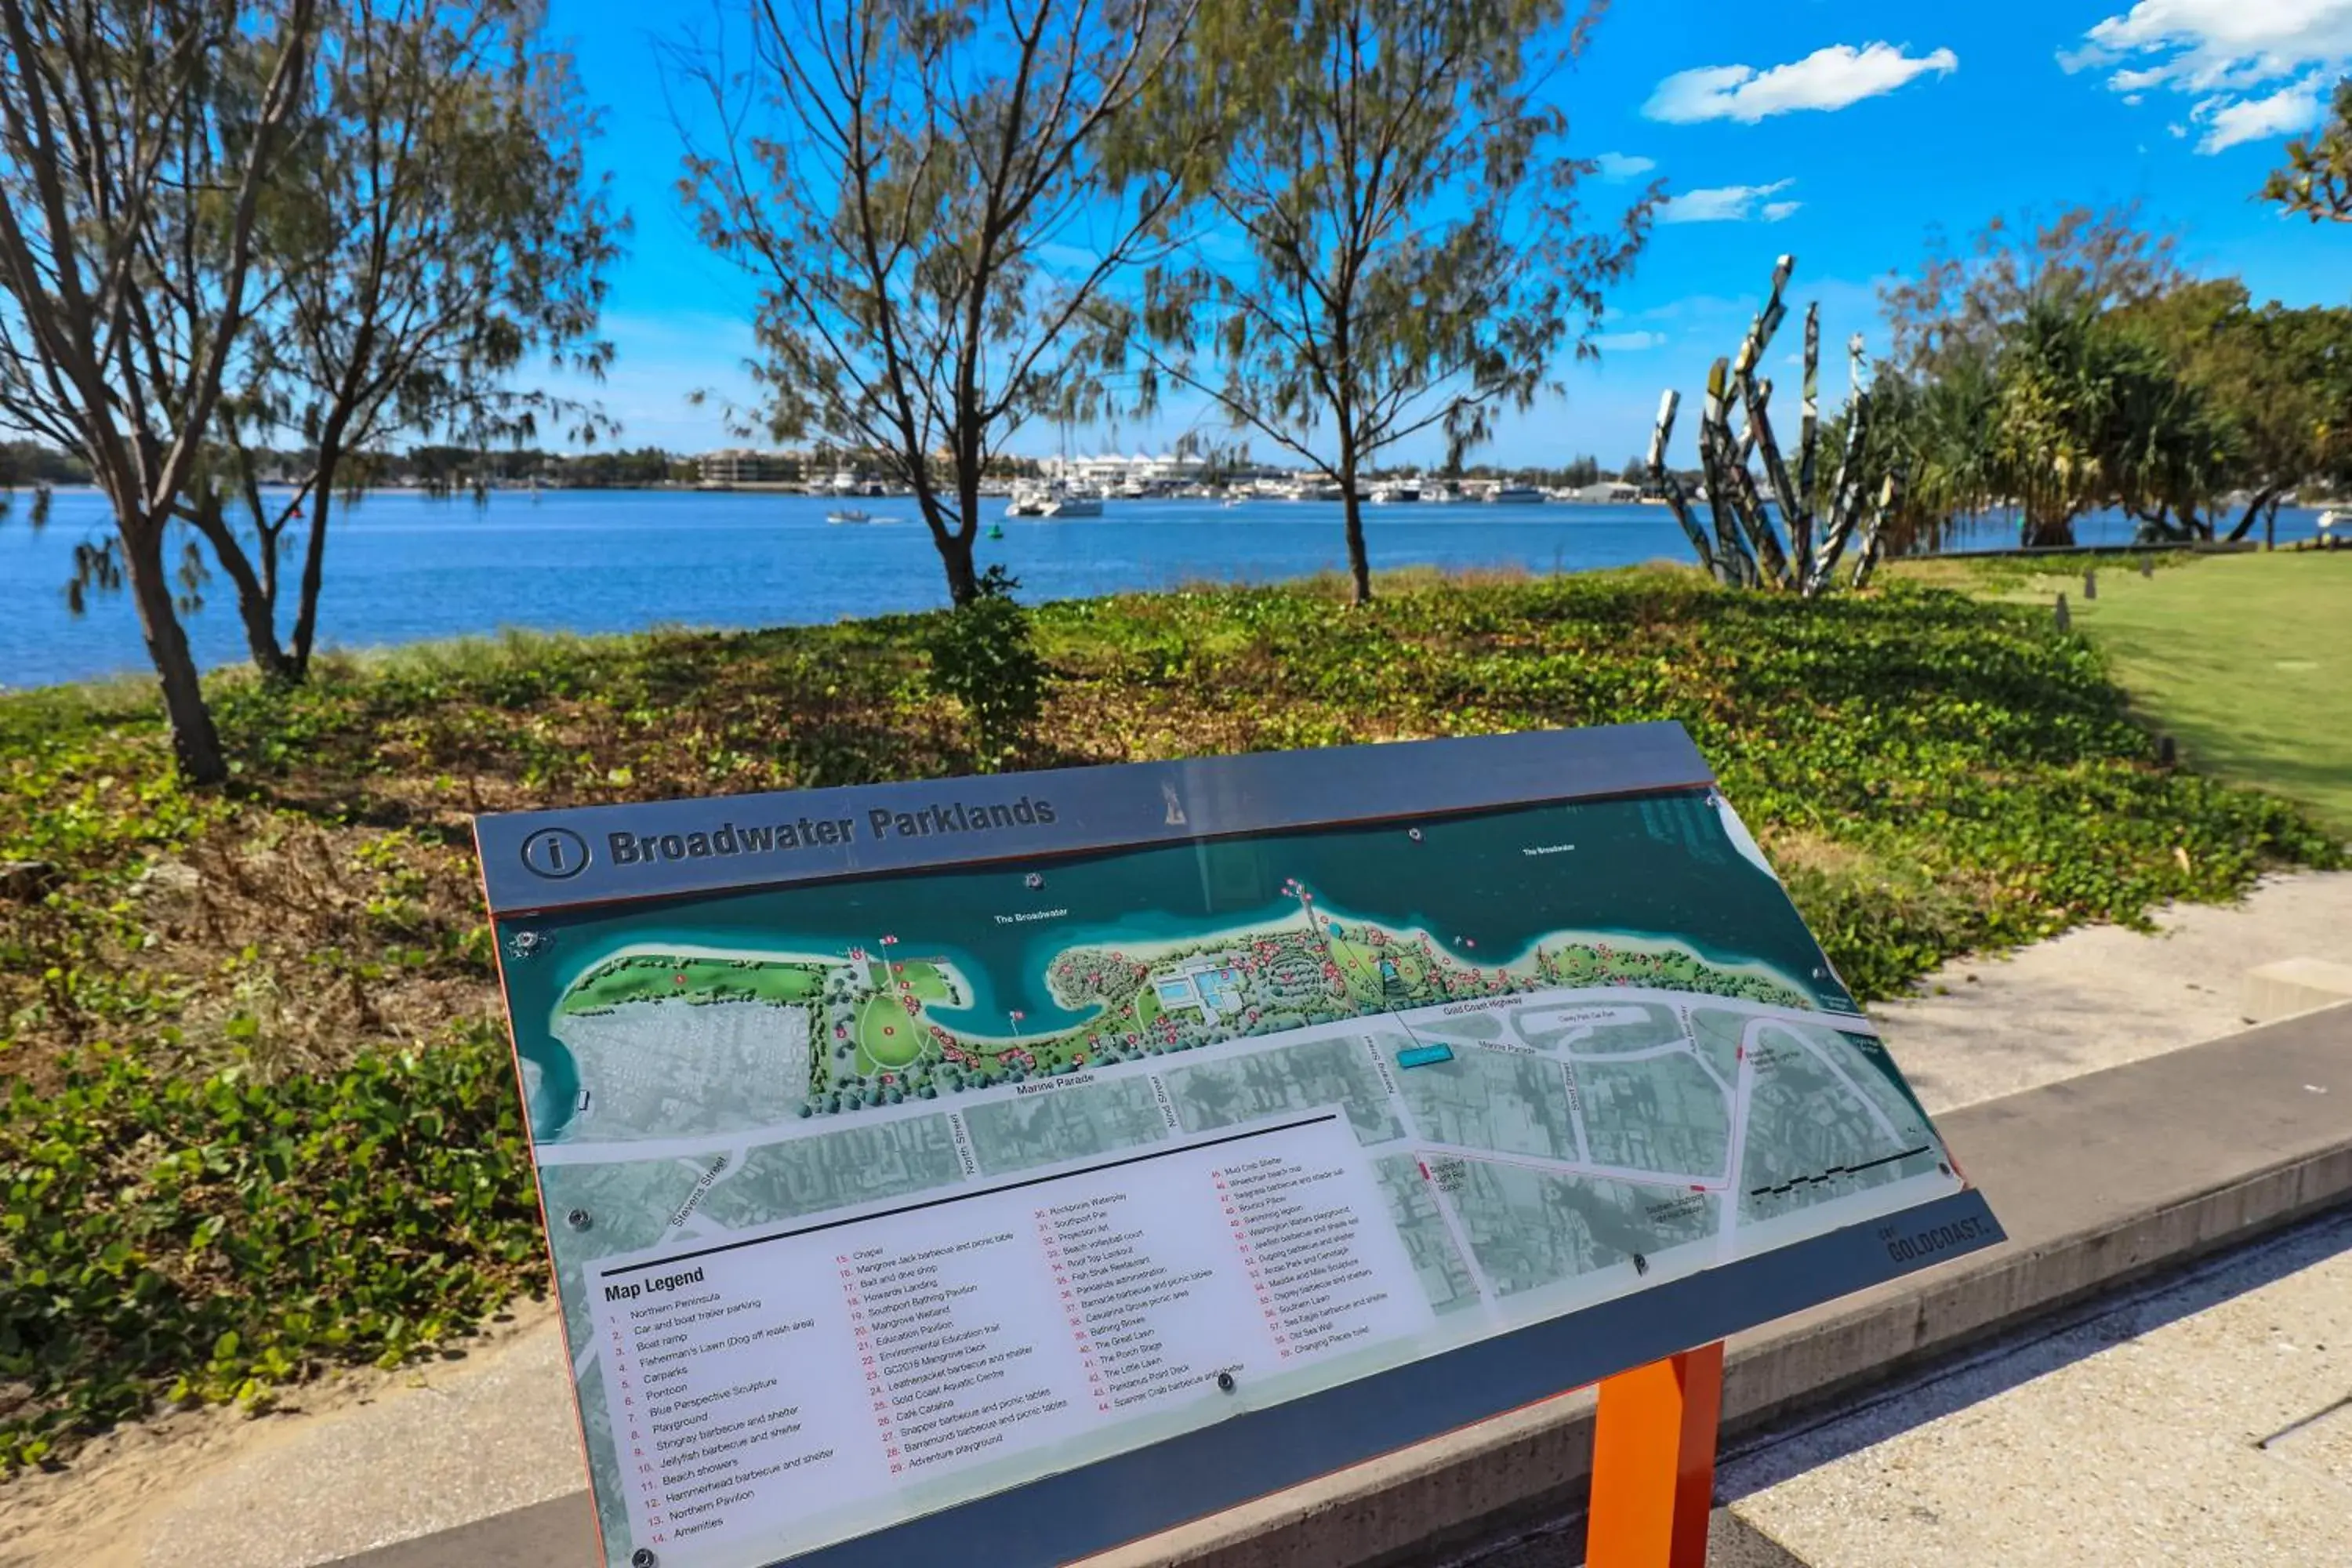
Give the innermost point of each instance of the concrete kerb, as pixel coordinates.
(2100, 1181)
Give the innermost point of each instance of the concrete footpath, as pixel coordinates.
(2208, 1423)
(2101, 1181)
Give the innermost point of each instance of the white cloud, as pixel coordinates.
(1826, 79)
(2253, 69)
(1627, 343)
(2289, 109)
(1726, 204)
(1615, 166)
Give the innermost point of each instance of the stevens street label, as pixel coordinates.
(775, 1393)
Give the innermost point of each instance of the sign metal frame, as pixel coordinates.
(538, 862)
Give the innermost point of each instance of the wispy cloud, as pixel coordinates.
(1827, 78)
(2290, 108)
(1729, 204)
(1618, 166)
(1627, 343)
(2253, 69)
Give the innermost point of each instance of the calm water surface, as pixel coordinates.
(402, 567)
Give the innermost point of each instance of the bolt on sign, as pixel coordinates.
(1002, 1169)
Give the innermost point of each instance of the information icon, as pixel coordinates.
(555, 853)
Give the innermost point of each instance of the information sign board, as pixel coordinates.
(1000, 1169)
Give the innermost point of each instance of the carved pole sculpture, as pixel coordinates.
(1747, 548)
(1808, 440)
(1890, 496)
(1676, 500)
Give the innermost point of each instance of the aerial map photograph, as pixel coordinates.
(1562, 1052)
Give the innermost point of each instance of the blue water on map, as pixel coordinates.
(1654, 865)
(402, 567)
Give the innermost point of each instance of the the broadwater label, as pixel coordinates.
(775, 1394)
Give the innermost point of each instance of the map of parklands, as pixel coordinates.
(871, 1197)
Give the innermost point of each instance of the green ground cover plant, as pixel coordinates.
(258, 1115)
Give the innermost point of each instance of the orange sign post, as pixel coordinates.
(1653, 1463)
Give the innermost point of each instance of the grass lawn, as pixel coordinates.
(923, 979)
(647, 977)
(2246, 660)
(887, 1037)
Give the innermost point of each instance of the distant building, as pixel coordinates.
(1110, 471)
(743, 466)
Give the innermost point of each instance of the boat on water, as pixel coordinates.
(1396, 494)
(1517, 495)
(1028, 502)
(847, 514)
(1074, 506)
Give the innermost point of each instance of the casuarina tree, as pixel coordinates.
(138, 141)
(1394, 246)
(933, 197)
(435, 227)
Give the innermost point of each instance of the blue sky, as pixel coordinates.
(1841, 130)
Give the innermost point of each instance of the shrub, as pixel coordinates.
(983, 654)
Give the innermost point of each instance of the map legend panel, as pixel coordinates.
(768, 1383)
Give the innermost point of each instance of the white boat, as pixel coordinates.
(1028, 502)
(846, 514)
(1517, 495)
(1074, 506)
(1396, 494)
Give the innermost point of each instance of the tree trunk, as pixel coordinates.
(963, 576)
(1359, 568)
(314, 561)
(955, 554)
(257, 601)
(2048, 531)
(196, 744)
(2254, 506)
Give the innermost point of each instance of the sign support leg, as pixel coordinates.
(1653, 1463)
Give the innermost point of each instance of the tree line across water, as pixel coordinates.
(254, 240)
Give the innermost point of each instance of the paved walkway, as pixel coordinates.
(455, 1441)
(2207, 1424)
(2103, 995)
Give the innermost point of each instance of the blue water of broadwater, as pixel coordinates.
(402, 567)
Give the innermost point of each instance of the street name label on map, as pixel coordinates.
(885, 1207)
(786, 1377)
